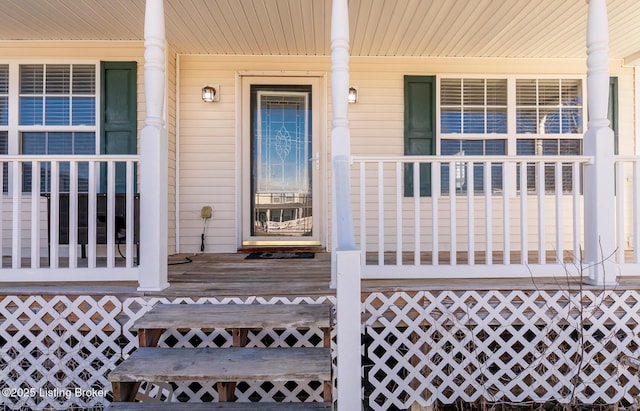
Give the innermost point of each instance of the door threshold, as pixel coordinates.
(282, 249)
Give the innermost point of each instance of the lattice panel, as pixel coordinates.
(49, 346)
(501, 346)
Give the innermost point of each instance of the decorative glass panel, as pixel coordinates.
(282, 161)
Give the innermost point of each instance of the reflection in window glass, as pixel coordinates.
(549, 106)
(473, 106)
(548, 147)
(471, 148)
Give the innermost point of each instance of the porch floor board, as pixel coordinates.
(231, 275)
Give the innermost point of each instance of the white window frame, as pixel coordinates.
(15, 129)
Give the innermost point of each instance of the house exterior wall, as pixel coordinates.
(210, 155)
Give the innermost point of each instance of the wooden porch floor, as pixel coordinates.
(232, 275)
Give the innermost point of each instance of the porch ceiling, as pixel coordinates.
(453, 28)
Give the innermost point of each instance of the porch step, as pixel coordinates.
(224, 364)
(228, 365)
(232, 406)
(250, 316)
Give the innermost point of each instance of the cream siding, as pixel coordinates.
(170, 118)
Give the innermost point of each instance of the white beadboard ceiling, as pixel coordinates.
(438, 28)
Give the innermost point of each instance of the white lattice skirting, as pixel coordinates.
(56, 351)
(500, 345)
(419, 347)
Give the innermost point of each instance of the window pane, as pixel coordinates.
(84, 111)
(34, 143)
(473, 147)
(496, 92)
(572, 120)
(549, 121)
(59, 143)
(525, 147)
(548, 92)
(4, 111)
(4, 78)
(571, 92)
(57, 111)
(31, 78)
(526, 93)
(473, 92)
(450, 120)
(84, 143)
(526, 121)
(84, 79)
(496, 120)
(30, 111)
(473, 121)
(570, 147)
(450, 92)
(58, 79)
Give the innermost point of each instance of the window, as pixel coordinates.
(473, 106)
(58, 101)
(548, 106)
(514, 116)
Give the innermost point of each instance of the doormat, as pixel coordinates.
(279, 255)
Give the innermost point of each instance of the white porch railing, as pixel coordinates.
(628, 213)
(476, 220)
(33, 187)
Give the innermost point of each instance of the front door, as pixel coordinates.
(281, 161)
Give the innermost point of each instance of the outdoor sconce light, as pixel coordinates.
(210, 93)
(353, 95)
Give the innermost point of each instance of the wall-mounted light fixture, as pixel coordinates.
(353, 94)
(210, 93)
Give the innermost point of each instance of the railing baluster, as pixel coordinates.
(111, 213)
(541, 184)
(91, 216)
(506, 211)
(452, 214)
(488, 213)
(54, 229)
(130, 214)
(35, 214)
(399, 213)
(73, 214)
(363, 213)
(559, 219)
(619, 212)
(417, 223)
(577, 215)
(524, 230)
(470, 215)
(380, 213)
(636, 211)
(435, 206)
(16, 240)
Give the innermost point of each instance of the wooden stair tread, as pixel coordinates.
(225, 364)
(234, 406)
(272, 316)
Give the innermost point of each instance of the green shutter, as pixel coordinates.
(119, 116)
(613, 110)
(419, 128)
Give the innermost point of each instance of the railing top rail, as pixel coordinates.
(475, 158)
(69, 157)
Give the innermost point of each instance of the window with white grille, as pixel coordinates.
(510, 116)
(57, 115)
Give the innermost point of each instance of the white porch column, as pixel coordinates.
(599, 215)
(345, 257)
(153, 156)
